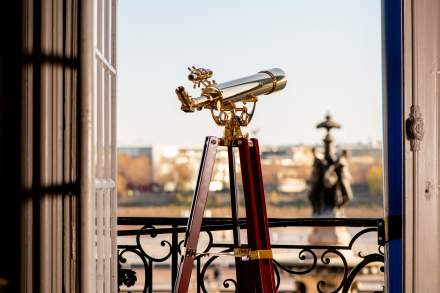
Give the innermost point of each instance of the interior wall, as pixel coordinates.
(10, 168)
(45, 146)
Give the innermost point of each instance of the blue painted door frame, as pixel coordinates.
(392, 27)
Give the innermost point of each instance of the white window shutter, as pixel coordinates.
(98, 268)
(104, 111)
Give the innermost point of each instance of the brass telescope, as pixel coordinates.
(232, 105)
(237, 90)
(229, 101)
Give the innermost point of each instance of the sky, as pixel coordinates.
(330, 51)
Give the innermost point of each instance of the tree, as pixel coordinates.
(137, 171)
(184, 173)
(122, 186)
(374, 180)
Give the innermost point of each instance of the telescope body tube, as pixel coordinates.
(217, 96)
(263, 83)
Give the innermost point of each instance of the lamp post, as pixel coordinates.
(328, 124)
(330, 188)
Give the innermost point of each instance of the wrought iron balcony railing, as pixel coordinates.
(298, 265)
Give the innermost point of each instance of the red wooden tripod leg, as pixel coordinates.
(262, 272)
(248, 192)
(196, 215)
(262, 214)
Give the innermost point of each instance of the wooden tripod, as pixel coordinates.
(254, 268)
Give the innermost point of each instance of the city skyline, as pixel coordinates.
(350, 145)
(332, 58)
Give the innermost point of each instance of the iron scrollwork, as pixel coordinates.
(126, 277)
(348, 275)
(311, 257)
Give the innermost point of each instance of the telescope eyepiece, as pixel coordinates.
(199, 74)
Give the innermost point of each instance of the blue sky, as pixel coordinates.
(330, 51)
